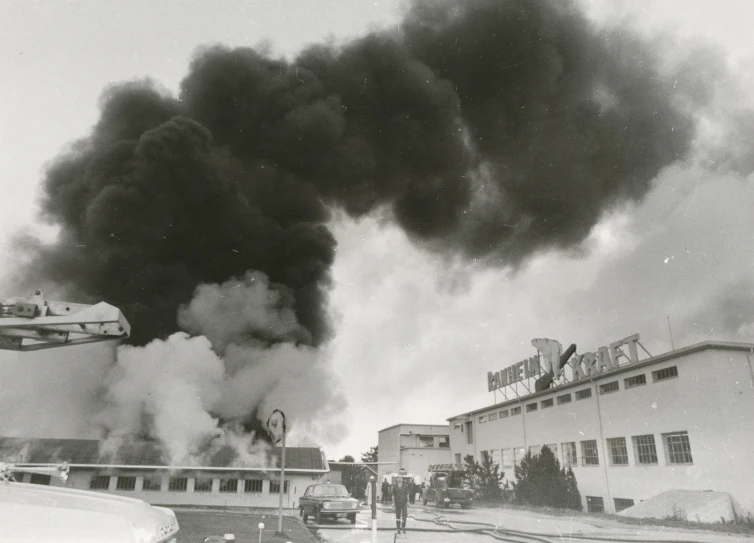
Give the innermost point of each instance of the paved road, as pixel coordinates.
(427, 524)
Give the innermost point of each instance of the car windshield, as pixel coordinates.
(338, 491)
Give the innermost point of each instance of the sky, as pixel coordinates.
(415, 333)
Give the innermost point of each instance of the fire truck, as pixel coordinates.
(446, 486)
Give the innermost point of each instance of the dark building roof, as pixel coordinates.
(145, 453)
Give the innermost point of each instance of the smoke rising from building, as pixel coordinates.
(488, 130)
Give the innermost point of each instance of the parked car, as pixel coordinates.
(328, 501)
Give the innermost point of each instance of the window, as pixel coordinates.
(547, 403)
(426, 441)
(607, 388)
(595, 504)
(458, 458)
(275, 487)
(40, 479)
(666, 373)
(202, 484)
(584, 394)
(125, 483)
(482, 418)
(677, 448)
(621, 504)
(589, 454)
(644, 449)
(178, 484)
(504, 414)
(99, 482)
(636, 381)
(534, 450)
(507, 458)
(531, 407)
(252, 485)
(457, 426)
(469, 432)
(152, 483)
(516, 411)
(568, 450)
(565, 398)
(444, 442)
(618, 451)
(518, 454)
(229, 485)
(495, 454)
(493, 416)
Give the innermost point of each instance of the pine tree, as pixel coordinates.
(541, 481)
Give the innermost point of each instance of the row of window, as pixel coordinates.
(153, 483)
(677, 451)
(429, 441)
(606, 388)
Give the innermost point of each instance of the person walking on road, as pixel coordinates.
(400, 499)
(385, 490)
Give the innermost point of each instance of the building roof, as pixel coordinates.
(441, 425)
(719, 345)
(137, 453)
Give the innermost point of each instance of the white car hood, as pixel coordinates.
(41, 514)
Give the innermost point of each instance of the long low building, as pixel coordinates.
(138, 471)
(630, 428)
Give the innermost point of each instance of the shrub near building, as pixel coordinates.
(541, 481)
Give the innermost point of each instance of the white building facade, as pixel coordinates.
(683, 420)
(413, 447)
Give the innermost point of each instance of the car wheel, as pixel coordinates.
(352, 518)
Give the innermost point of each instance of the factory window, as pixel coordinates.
(518, 454)
(178, 484)
(645, 450)
(495, 454)
(534, 450)
(203, 484)
(515, 411)
(531, 407)
(618, 451)
(595, 504)
(275, 487)
(622, 503)
(635, 381)
(482, 418)
(444, 442)
(589, 455)
(565, 398)
(457, 426)
(469, 432)
(458, 458)
(609, 387)
(666, 373)
(493, 416)
(547, 403)
(568, 450)
(152, 483)
(40, 479)
(229, 485)
(427, 441)
(125, 483)
(677, 448)
(507, 458)
(252, 485)
(504, 414)
(99, 482)
(584, 394)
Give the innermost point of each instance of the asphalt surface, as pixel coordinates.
(427, 524)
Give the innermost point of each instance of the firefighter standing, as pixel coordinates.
(385, 491)
(400, 500)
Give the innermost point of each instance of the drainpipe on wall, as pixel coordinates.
(603, 446)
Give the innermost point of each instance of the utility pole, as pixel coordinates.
(672, 346)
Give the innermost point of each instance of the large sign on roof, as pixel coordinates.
(557, 368)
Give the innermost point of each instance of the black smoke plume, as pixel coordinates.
(490, 129)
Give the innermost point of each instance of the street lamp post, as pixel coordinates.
(276, 425)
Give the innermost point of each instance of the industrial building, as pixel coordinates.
(630, 429)
(138, 471)
(412, 447)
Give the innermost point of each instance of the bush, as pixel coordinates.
(541, 481)
(485, 478)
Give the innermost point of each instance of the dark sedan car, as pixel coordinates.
(328, 501)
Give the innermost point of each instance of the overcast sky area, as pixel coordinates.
(415, 332)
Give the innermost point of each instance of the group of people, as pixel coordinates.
(402, 493)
